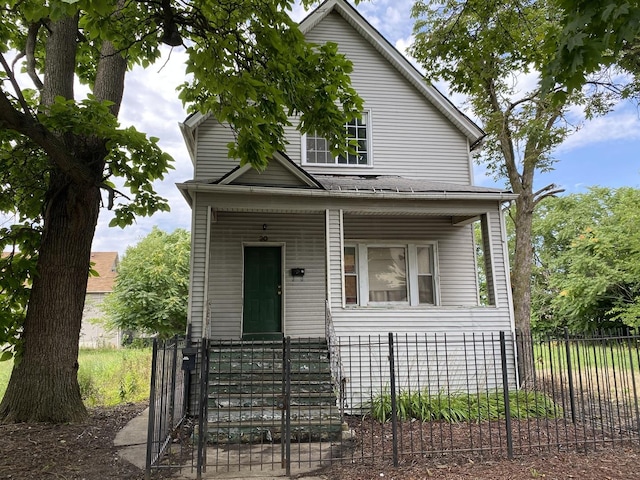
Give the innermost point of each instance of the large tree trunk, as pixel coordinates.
(521, 283)
(44, 384)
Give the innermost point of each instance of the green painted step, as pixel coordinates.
(271, 400)
(260, 416)
(256, 388)
(261, 365)
(258, 434)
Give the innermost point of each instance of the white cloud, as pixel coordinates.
(617, 126)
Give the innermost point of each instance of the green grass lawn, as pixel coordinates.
(106, 376)
(588, 354)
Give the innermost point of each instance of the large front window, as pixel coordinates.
(318, 151)
(389, 274)
(387, 269)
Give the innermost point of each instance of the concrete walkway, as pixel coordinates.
(131, 442)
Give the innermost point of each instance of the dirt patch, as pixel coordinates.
(70, 452)
(550, 449)
(86, 451)
(606, 464)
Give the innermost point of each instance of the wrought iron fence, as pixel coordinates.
(414, 396)
(173, 366)
(462, 394)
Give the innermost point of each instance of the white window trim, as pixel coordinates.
(411, 248)
(335, 164)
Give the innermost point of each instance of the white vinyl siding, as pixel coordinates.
(197, 310)
(455, 256)
(304, 247)
(443, 362)
(409, 135)
(275, 175)
(213, 154)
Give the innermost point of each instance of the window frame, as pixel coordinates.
(335, 164)
(411, 259)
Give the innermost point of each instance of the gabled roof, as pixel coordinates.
(302, 177)
(188, 127)
(473, 133)
(105, 263)
(468, 128)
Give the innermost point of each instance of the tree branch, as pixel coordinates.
(30, 52)
(24, 124)
(16, 87)
(550, 190)
(505, 138)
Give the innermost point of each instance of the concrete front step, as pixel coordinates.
(257, 434)
(260, 416)
(272, 400)
(255, 389)
(297, 365)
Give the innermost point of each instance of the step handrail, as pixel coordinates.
(338, 378)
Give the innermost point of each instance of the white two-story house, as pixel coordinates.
(378, 241)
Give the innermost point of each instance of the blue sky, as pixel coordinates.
(603, 152)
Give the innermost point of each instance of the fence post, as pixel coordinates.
(394, 407)
(505, 393)
(572, 398)
(202, 409)
(286, 401)
(172, 397)
(633, 375)
(152, 410)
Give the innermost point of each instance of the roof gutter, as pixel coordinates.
(187, 188)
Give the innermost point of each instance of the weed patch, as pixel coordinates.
(106, 377)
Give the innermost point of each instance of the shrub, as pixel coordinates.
(460, 407)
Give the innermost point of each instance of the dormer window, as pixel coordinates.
(316, 149)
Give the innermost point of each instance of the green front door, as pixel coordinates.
(262, 293)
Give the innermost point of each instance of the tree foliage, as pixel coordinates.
(587, 273)
(152, 288)
(482, 48)
(61, 152)
(593, 35)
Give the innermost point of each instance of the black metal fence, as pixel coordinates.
(173, 367)
(407, 397)
(462, 394)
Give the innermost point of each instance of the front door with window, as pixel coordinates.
(262, 312)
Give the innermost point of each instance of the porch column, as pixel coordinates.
(334, 244)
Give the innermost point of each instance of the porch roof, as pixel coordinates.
(396, 184)
(359, 188)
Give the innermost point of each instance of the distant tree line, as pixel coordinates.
(586, 273)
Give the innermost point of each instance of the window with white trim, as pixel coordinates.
(390, 274)
(317, 149)
(350, 276)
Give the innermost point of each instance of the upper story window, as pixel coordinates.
(317, 151)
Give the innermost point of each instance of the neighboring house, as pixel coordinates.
(94, 333)
(379, 242)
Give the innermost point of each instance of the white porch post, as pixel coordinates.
(334, 254)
